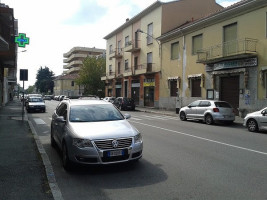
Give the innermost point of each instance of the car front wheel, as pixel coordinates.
(182, 116)
(252, 125)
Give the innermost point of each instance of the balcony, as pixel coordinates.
(132, 46)
(241, 48)
(127, 72)
(145, 68)
(110, 75)
(76, 63)
(118, 53)
(73, 70)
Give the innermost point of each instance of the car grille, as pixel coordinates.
(107, 144)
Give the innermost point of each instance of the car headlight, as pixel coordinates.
(138, 138)
(82, 143)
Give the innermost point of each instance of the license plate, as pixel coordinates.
(115, 153)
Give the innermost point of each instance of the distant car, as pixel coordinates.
(124, 103)
(35, 104)
(47, 97)
(89, 97)
(256, 121)
(109, 99)
(209, 111)
(94, 132)
(61, 97)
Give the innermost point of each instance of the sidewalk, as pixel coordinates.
(22, 173)
(238, 120)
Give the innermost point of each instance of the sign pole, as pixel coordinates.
(23, 102)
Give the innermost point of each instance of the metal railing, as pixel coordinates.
(231, 48)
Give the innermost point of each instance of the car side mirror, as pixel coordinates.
(189, 106)
(263, 112)
(127, 116)
(60, 119)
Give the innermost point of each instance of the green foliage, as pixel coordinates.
(44, 80)
(30, 89)
(90, 76)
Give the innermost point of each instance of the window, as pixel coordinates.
(150, 33)
(72, 83)
(266, 25)
(110, 69)
(136, 62)
(126, 65)
(266, 84)
(127, 42)
(119, 47)
(196, 89)
(204, 104)
(197, 43)
(149, 62)
(173, 88)
(175, 50)
(230, 45)
(110, 49)
(119, 67)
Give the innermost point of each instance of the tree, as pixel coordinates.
(44, 80)
(30, 89)
(90, 76)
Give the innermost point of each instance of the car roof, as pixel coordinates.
(85, 102)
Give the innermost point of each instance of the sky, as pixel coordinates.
(56, 26)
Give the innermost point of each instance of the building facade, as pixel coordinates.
(133, 59)
(65, 84)
(8, 54)
(221, 56)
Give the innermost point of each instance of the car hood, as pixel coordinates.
(36, 103)
(102, 130)
(254, 114)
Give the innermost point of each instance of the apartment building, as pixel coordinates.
(221, 56)
(65, 84)
(133, 59)
(8, 53)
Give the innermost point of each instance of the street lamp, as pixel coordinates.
(140, 31)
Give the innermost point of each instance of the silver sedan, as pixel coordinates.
(94, 132)
(256, 121)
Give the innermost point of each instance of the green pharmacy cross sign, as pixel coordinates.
(22, 40)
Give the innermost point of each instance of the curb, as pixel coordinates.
(57, 195)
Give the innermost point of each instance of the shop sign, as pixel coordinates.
(150, 82)
(118, 86)
(135, 84)
(250, 62)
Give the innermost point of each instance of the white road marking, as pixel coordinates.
(50, 118)
(134, 118)
(202, 138)
(38, 121)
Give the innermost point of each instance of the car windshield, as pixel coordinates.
(35, 100)
(128, 100)
(94, 113)
(223, 104)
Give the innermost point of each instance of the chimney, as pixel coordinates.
(127, 19)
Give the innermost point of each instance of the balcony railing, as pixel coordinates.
(233, 48)
(132, 46)
(117, 53)
(145, 68)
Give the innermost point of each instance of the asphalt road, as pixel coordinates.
(181, 160)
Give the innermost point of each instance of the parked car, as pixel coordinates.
(35, 104)
(256, 121)
(124, 103)
(61, 97)
(209, 111)
(94, 132)
(47, 97)
(109, 99)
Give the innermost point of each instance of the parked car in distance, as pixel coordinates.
(209, 111)
(61, 97)
(94, 132)
(256, 121)
(47, 97)
(124, 103)
(109, 99)
(35, 104)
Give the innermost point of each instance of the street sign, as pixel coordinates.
(22, 40)
(23, 75)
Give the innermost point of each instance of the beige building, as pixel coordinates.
(65, 84)
(221, 56)
(133, 59)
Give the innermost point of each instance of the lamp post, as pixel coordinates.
(140, 31)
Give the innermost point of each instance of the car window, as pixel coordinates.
(94, 113)
(222, 104)
(35, 100)
(62, 110)
(194, 104)
(204, 104)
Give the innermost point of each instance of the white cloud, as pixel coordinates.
(53, 30)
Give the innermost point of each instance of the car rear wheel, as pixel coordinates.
(252, 125)
(208, 119)
(182, 116)
(65, 158)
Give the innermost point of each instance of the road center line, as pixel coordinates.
(201, 138)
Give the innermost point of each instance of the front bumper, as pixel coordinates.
(94, 155)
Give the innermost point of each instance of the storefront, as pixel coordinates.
(149, 90)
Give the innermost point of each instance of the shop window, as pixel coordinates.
(197, 43)
(175, 50)
(195, 87)
(173, 88)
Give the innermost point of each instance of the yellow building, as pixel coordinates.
(221, 56)
(133, 59)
